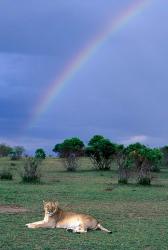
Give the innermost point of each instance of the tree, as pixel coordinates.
(5, 150)
(70, 151)
(95, 139)
(40, 154)
(17, 152)
(144, 158)
(101, 152)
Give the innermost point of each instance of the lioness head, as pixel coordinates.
(50, 207)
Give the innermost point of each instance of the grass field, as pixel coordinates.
(138, 216)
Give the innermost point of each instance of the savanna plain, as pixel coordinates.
(137, 215)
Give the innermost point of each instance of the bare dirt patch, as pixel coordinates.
(12, 209)
(109, 189)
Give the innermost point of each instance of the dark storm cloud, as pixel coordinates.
(50, 27)
(121, 92)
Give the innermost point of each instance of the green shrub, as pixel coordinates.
(155, 168)
(124, 163)
(123, 181)
(6, 174)
(164, 161)
(144, 181)
(31, 170)
(13, 164)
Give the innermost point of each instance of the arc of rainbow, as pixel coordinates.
(80, 59)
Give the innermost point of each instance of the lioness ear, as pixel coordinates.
(44, 202)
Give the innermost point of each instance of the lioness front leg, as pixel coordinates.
(39, 224)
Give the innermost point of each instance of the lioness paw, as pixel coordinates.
(30, 225)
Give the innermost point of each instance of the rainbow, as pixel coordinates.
(82, 57)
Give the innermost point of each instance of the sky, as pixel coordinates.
(120, 92)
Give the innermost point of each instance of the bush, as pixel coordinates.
(123, 181)
(155, 168)
(124, 163)
(6, 175)
(70, 152)
(144, 181)
(164, 151)
(31, 170)
(13, 164)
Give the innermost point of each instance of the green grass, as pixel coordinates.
(138, 216)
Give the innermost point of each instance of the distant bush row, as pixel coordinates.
(136, 158)
(133, 159)
(15, 153)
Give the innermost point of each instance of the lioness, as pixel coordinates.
(55, 217)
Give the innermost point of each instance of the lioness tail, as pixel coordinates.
(99, 226)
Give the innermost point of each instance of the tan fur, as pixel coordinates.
(55, 217)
